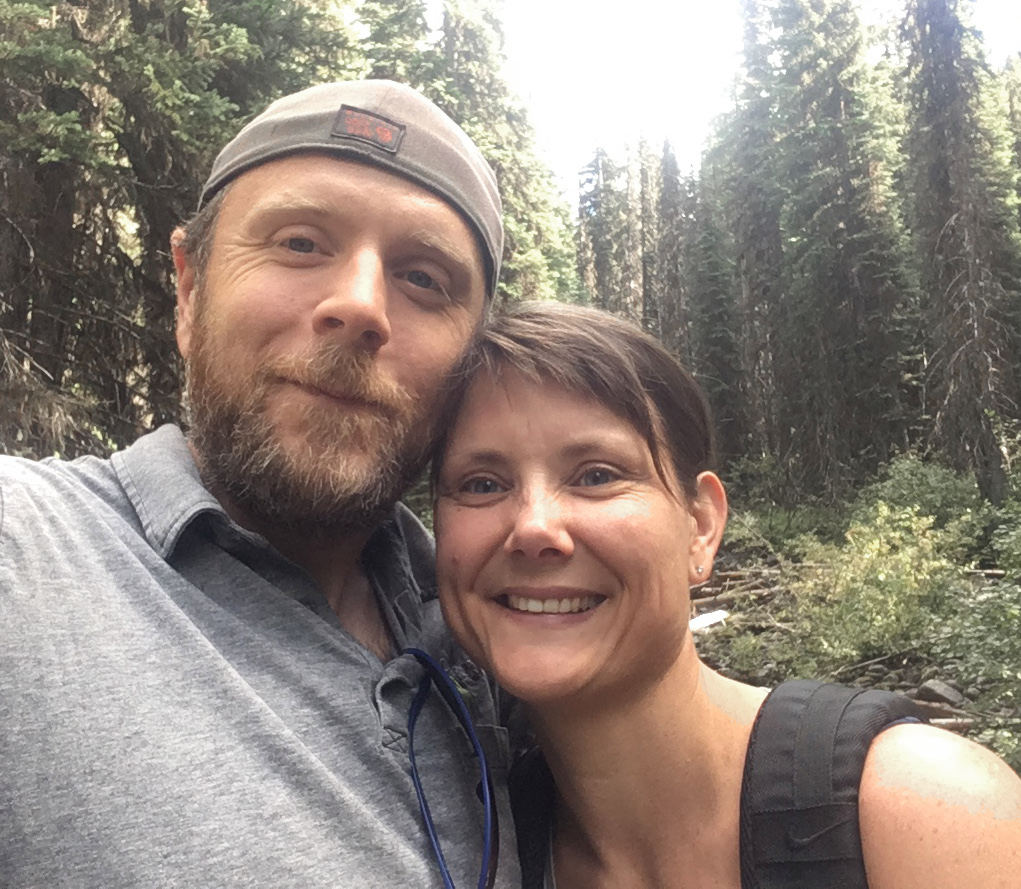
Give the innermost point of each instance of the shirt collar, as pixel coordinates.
(162, 482)
(160, 478)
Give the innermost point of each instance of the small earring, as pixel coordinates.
(698, 569)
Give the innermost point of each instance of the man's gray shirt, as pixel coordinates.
(180, 707)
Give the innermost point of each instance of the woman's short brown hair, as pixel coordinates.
(600, 356)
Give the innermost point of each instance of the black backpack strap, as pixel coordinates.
(532, 796)
(799, 798)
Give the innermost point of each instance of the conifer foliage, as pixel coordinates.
(964, 213)
(842, 272)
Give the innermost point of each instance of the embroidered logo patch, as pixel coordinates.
(354, 123)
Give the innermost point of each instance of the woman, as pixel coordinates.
(574, 509)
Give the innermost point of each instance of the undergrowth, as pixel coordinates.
(889, 598)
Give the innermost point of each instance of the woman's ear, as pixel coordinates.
(709, 514)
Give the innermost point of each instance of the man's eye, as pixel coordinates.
(481, 485)
(301, 245)
(599, 475)
(421, 279)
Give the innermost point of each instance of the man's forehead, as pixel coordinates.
(298, 186)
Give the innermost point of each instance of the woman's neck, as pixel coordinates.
(648, 792)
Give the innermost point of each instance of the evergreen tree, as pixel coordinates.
(627, 300)
(1011, 79)
(650, 185)
(674, 213)
(846, 270)
(744, 156)
(602, 225)
(806, 167)
(716, 358)
(966, 226)
(396, 45)
(539, 256)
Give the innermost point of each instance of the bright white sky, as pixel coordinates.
(596, 73)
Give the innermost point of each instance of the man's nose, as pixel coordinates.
(354, 308)
(540, 528)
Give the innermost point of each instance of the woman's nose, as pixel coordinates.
(354, 308)
(540, 528)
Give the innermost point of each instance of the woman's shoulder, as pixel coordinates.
(938, 811)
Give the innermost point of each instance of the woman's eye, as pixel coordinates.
(598, 475)
(300, 245)
(481, 485)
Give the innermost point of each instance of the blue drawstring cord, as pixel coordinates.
(448, 691)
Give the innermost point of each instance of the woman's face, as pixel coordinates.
(564, 560)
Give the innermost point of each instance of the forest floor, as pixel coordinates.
(765, 626)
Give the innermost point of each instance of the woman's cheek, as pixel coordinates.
(453, 585)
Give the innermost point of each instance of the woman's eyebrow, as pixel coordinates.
(485, 455)
(607, 441)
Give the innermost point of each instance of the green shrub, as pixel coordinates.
(951, 499)
(910, 481)
(1006, 540)
(977, 640)
(757, 480)
(876, 594)
(891, 601)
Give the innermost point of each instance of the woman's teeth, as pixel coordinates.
(552, 606)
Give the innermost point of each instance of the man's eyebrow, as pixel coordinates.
(430, 240)
(283, 204)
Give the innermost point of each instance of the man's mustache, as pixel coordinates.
(342, 374)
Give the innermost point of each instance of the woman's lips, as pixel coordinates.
(549, 604)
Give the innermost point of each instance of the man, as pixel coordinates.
(201, 678)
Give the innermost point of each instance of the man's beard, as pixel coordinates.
(349, 468)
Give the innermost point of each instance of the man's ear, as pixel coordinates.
(709, 515)
(186, 277)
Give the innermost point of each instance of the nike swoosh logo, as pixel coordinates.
(796, 843)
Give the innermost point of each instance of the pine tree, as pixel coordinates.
(397, 45)
(650, 185)
(846, 269)
(715, 328)
(539, 256)
(966, 225)
(1011, 80)
(744, 156)
(674, 212)
(627, 299)
(602, 225)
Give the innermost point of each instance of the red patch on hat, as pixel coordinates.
(356, 123)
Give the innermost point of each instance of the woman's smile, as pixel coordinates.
(548, 604)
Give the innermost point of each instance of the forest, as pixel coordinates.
(842, 272)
